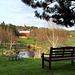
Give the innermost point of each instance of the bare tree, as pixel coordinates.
(54, 36)
(7, 35)
(11, 37)
(2, 35)
(33, 33)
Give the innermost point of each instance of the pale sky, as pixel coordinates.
(17, 13)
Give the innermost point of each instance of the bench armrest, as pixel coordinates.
(44, 54)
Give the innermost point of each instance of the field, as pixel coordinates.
(31, 66)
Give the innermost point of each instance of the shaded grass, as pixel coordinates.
(31, 66)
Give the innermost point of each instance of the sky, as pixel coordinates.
(17, 13)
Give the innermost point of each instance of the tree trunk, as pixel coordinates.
(10, 46)
(11, 42)
(0, 42)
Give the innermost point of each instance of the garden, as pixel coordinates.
(57, 15)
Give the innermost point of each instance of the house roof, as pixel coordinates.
(24, 31)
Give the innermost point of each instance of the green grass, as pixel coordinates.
(24, 42)
(70, 42)
(31, 66)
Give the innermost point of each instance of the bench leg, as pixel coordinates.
(50, 65)
(12, 58)
(72, 62)
(42, 62)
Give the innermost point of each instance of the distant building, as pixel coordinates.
(24, 33)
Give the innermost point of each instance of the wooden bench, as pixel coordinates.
(58, 54)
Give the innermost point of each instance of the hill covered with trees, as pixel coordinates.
(16, 28)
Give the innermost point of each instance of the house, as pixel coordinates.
(24, 33)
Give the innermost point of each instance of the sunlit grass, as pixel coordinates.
(24, 42)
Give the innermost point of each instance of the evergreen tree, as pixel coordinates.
(63, 11)
(2, 24)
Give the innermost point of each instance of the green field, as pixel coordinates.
(31, 66)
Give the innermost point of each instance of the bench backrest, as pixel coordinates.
(62, 52)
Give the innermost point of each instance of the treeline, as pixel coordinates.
(24, 28)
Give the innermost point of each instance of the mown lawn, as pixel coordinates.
(31, 66)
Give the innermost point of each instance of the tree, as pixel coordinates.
(33, 33)
(13, 27)
(62, 12)
(7, 35)
(11, 36)
(2, 24)
(3, 35)
(54, 37)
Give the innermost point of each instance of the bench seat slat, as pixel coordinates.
(61, 58)
(60, 51)
(63, 48)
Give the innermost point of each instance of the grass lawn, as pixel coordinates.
(31, 66)
(24, 42)
(70, 42)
